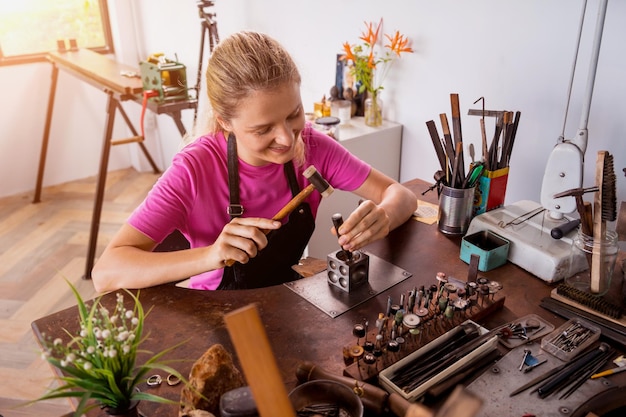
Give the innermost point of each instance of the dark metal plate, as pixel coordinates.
(334, 302)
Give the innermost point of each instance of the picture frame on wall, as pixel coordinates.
(347, 85)
(343, 77)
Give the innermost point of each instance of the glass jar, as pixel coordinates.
(341, 109)
(592, 262)
(373, 110)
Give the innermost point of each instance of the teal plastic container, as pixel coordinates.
(492, 249)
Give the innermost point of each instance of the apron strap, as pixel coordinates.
(234, 209)
(291, 178)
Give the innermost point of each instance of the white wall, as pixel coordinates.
(517, 55)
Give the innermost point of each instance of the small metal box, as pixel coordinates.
(167, 77)
(492, 249)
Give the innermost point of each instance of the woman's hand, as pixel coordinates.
(241, 239)
(386, 205)
(369, 222)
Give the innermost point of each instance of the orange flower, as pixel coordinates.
(398, 43)
(348, 50)
(370, 37)
(370, 69)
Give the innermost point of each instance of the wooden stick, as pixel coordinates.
(457, 162)
(588, 218)
(483, 133)
(456, 127)
(294, 203)
(599, 227)
(259, 364)
(449, 144)
(434, 136)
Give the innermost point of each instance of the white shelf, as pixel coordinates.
(378, 146)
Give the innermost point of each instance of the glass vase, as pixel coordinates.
(592, 262)
(373, 110)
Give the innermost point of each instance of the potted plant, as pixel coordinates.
(99, 364)
(371, 65)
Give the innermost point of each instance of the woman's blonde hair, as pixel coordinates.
(241, 64)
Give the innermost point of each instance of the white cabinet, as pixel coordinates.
(378, 146)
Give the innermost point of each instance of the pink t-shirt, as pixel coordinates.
(192, 194)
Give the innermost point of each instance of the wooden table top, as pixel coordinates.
(298, 330)
(99, 70)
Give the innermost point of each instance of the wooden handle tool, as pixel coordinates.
(258, 362)
(460, 403)
(455, 181)
(456, 128)
(448, 144)
(317, 183)
(434, 137)
(604, 209)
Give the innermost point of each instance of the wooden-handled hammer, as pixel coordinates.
(317, 182)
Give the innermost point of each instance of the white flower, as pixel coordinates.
(135, 321)
(114, 319)
(129, 314)
(57, 341)
(125, 349)
(87, 366)
(123, 336)
(106, 333)
(91, 350)
(83, 333)
(112, 353)
(71, 357)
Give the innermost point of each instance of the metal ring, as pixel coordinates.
(154, 380)
(172, 380)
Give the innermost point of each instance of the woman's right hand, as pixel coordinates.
(242, 239)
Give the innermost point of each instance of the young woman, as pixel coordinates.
(222, 190)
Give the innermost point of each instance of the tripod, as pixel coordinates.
(208, 25)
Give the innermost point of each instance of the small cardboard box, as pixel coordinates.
(492, 249)
(490, 190)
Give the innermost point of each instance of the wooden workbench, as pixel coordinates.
(109, 76)
(298, 330)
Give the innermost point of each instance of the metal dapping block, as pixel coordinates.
(347, 272)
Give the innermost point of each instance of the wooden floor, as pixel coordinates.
(41, 245)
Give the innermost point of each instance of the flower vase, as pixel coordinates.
(373, 110)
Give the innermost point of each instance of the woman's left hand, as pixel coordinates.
(369, 222)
